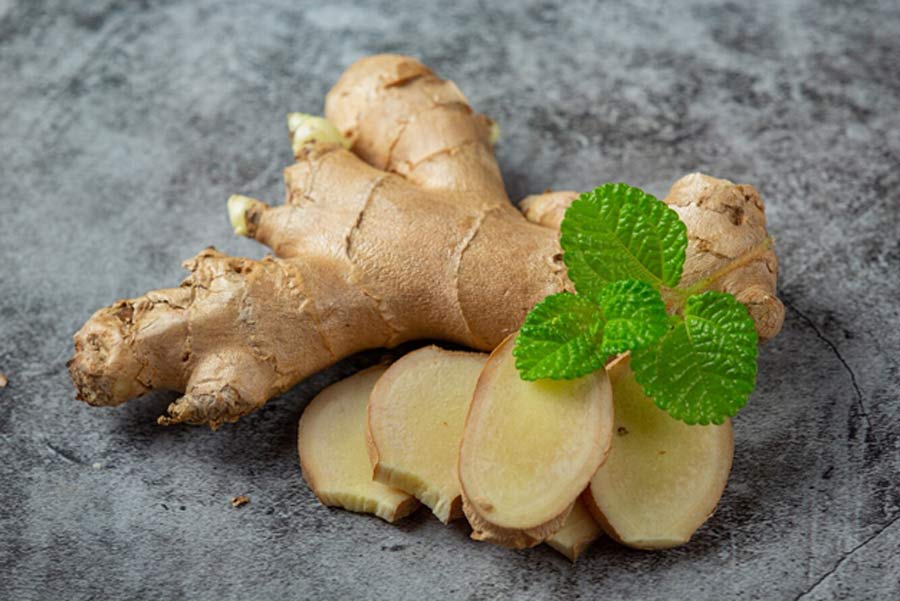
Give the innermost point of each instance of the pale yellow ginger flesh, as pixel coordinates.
(333, 455)
(416, 416)
(529, 449)
(577, 534)
(663, 478)
(396, 226)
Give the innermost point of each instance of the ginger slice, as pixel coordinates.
(417, 411)
(333, 456)
(663, 478)
(577, 534)
(529, 449)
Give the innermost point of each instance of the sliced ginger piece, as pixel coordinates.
(333, 456)
(577, 534)
(529, 449)
(663, 478)
(417, 411)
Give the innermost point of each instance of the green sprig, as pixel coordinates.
(624, 251)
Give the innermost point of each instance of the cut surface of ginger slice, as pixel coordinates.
(529, 449)
(577, 534)
(416, 415)
(331, 440)
(663, 478)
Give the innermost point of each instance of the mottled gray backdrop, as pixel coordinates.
(124, 126)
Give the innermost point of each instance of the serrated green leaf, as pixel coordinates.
(567, 336)
(618, 232)
(560, 339)
(635, 316)
(704, 369)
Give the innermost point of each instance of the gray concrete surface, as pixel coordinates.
(125, 125)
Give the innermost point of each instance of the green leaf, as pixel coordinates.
(567, 336)
(618, 232)
(560, 339)
(635, 316)
(704, 369)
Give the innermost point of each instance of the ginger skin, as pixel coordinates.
(408, 234)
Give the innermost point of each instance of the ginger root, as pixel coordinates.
(407, 234)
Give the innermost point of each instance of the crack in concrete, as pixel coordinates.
(66, 456)
(859, 396)
(821, 579)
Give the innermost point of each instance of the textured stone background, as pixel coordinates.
(125, 125)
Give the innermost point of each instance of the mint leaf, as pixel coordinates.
(704, 368)
(635, 316)
(618, 232)
(567, 336)
(560, 339)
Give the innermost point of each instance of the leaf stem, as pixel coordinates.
(706, 283)
(674, 298)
